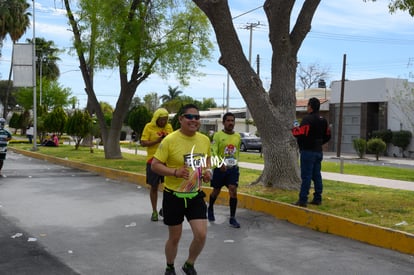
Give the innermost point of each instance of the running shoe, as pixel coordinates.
(189, 269)
(210, 214)
(154, 216)
(170, 271)
(234, 223)
(315, 202)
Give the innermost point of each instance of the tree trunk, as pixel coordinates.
(111, 134)
(273, 111)
(112, 146)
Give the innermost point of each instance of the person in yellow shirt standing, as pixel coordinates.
(152, 135)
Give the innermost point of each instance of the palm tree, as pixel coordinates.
(47, 69)
(173, 93)
(14, 21)
(46, 59)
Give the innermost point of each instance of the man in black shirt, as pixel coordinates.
(312, 133)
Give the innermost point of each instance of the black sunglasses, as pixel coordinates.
(191, 116)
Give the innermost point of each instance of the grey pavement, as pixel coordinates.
(77, 222)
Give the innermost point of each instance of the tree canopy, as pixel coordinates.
(14, 19)
(47, 57)
(139, 38)
(404, 5)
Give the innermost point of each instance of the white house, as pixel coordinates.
(370, 105)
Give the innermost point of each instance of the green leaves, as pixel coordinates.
(157, 36)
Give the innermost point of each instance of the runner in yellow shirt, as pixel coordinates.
(151, 137)
(184, 158)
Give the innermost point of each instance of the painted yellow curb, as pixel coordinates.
(327, 223)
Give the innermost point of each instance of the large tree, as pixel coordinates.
(273, 111)
(152, 101)
(139, 38)
(14, 21)
(53, 95)
(47, 57)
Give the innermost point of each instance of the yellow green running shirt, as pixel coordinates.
(227, 147)
(175, 150)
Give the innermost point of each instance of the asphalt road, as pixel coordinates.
(76, 222)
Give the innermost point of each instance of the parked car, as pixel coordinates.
(250, 141)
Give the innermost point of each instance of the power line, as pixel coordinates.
(358, 38)
(249, 11)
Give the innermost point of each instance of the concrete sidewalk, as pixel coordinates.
(396, 184)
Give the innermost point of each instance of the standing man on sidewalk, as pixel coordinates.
(311, 134)
(5, 136)
(152, 135)
(184, 158)
(226, 146)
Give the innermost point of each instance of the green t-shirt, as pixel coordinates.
(177, 149)
(225, 147)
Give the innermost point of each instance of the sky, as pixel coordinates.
(376, 43)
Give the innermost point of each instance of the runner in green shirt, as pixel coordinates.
(226, 147)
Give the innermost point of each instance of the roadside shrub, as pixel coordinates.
(376, 146)
(385, 135)
(15, 122)
(79, 125)
(360, 146)
(401, 139)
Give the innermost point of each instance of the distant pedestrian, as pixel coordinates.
(29, 133)
(311, 134)
(184, 158)
(5, 136)
(134, 136)
(152, 135)
(226, 146)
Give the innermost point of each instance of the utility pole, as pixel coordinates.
(341, 109)
(250, 27)
(40, 80)
(34, 83)
(228, 93)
